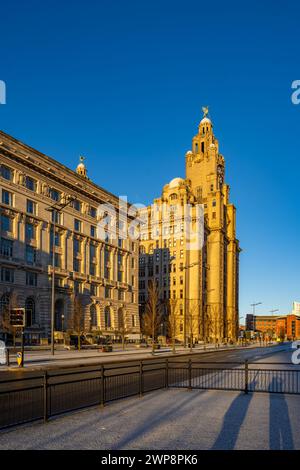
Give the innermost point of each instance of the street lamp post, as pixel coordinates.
(186, 299)
(62, 322)
(55, 209)
(255, 305)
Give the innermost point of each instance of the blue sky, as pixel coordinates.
(123, 82)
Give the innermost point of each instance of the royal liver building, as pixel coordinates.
(200, 284)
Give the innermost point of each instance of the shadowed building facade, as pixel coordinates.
(202, 283)
(103, 273)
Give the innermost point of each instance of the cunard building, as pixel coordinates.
(102, 273)
(201, 284)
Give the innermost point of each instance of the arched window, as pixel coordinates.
(4, 306)
(121, 323)
(93, 315)
(142, 250)
(173, 196)
(30, 311)
(107, 317)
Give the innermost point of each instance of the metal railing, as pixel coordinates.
(35, 395)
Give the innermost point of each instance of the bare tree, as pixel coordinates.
(78, 322)
(5, 325)
(192, 321)
(122, 330)
(153, 313)
(173, 321)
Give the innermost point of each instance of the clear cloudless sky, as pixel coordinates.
(123, 81)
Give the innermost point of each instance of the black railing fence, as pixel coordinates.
(35, 395)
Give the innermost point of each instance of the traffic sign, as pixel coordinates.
(17, 317)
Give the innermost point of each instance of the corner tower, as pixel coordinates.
(205, 172)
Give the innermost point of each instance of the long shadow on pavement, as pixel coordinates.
(233, 421)
(280, 432)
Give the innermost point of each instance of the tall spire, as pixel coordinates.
(81, 168)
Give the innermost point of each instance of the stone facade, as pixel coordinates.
(103, 273)
(202, 284)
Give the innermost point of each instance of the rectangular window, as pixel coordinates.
(77, 287)
(93, 231)
(76, 246)
(31, 207)
(6, 172)
(77, 205)
(7, 275)
(57, 239)
(6, 223)
(107, 292)
(76, 265)
(93, 212)
(6, 247)
(54, 194)
(56, 217)
(92, 269)
(31, 279)
(30, 254)
(57, 260)
(29, 231)
(30, 183)
(94, 290)
(7, 197)
(92, 251)
(77, 225)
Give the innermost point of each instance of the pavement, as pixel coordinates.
(174, 419)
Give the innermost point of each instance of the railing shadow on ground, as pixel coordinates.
(280, 431)
(233, 420)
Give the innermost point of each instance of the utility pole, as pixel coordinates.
(55, 209)
(186, 298)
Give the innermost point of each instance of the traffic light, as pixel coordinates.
(17, 317)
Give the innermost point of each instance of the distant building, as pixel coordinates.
(282, 326)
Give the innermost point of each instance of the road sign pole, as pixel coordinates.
(22, 348)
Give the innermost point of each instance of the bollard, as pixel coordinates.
(167, 373)
(45, 397)
(102, 398)
(246, 376)
(190, 374)
(141, 387)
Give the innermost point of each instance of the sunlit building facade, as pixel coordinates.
(103, 273)
(201, 283)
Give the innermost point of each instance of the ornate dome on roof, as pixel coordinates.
(205, 120)
(81, 168)
(176, 182)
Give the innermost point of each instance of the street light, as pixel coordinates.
(62, 322)
(55, 209)
(185, 299)
(274, 310)
(255, 305)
